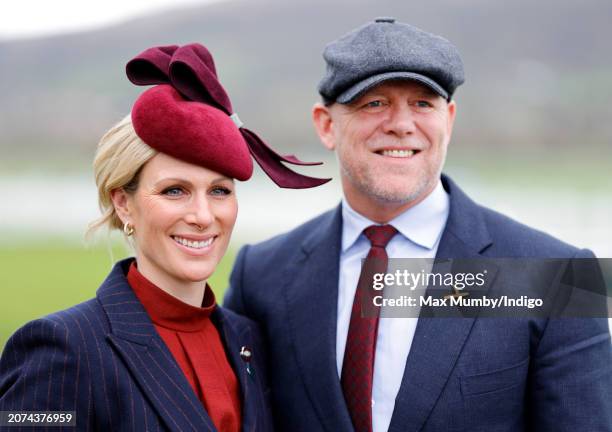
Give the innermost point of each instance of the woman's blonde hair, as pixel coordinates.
(119, 159)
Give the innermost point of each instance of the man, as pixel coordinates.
(388, 113)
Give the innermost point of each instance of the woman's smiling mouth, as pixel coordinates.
(194, 244)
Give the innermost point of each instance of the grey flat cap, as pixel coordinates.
(388, 50)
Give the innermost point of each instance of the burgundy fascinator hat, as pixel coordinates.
(189, 116)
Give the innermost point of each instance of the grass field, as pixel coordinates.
(37, 279)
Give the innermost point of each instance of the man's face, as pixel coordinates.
(390, 143)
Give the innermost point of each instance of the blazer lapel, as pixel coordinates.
(438, 342)
(134, 338)
(312, 298)
(234, 339)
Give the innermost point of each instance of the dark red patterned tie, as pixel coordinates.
(358, 365)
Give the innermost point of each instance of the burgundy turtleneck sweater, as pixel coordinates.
(196, 346)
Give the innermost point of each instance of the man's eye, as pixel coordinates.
(424, 104)
(374, 104)
(173, 191)
(221, 191)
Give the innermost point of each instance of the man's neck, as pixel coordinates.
(380, 211)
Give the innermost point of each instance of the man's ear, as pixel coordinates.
(122, 205)
(452, 113)
(322, 120)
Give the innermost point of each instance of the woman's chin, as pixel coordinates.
(196, 272)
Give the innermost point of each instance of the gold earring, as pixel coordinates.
(128, 229)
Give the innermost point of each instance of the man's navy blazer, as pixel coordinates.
(462, 374)
(105, 360)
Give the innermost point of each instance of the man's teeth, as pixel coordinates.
(194, 244)
(398, 153)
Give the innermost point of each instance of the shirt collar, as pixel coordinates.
(422, 224)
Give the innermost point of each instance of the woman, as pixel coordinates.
(153, 351)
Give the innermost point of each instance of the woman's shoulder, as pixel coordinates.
(70, 326)
(84, 314)
(66, 334)
(49, 355)
(74, 325)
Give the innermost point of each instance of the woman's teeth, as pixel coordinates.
(194, 244)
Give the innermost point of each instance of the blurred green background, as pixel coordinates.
(43, 276)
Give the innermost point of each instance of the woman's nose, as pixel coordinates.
(200, 212)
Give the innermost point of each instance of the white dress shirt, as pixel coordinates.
(419, 231)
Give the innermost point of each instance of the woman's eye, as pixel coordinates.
(220, 190)
(173, 191)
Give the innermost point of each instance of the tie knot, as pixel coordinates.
(380, 235)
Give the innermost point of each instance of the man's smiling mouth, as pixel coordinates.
(397, 153)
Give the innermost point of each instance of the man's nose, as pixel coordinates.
(400, 121)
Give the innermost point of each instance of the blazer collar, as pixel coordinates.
(236, 336)
(311, 297)
(328, 232)
(126, 315)
(466, 232)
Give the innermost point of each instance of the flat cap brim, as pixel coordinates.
(357, 90)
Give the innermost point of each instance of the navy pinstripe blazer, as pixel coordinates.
(104, 360)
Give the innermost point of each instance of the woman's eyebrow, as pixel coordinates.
(187, 182)
(173, 179)
(221, 179)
